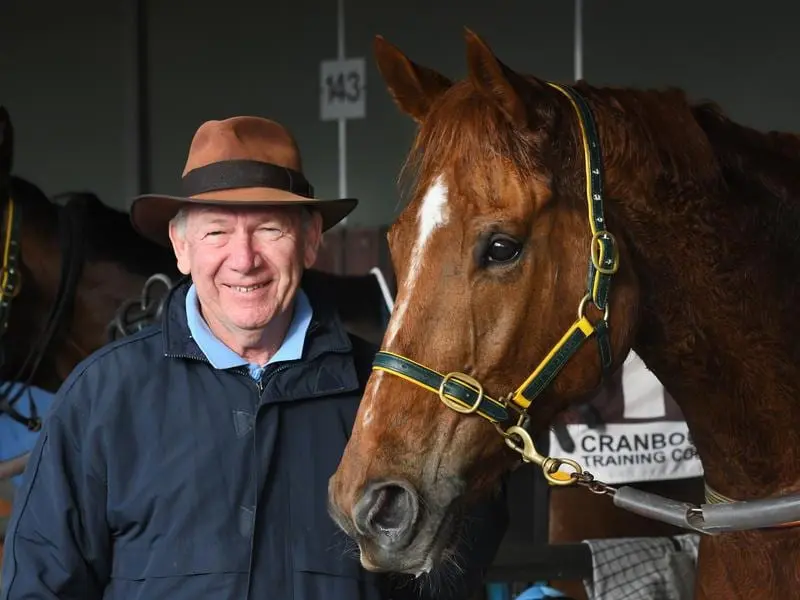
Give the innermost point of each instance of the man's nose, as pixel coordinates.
(243, 256)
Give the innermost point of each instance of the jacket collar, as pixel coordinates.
(223, 357)
(327, 343)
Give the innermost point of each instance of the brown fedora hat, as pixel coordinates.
(241, 161)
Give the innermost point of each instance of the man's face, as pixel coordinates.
(246, 263)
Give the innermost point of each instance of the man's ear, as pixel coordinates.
(180, 246)
(312, 238)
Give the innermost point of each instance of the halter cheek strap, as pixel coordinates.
(458, 391)
(10, 279)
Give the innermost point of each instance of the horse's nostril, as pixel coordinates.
(387, 512)
(391, 508)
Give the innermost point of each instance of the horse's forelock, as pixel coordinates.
(460, 133)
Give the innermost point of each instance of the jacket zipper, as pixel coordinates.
(260, 386)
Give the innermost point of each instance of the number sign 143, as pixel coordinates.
(342, 89)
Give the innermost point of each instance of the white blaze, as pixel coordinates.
(433, 214)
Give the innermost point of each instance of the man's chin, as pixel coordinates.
(252, 325)
(251, 316)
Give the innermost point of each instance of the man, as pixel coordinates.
(191, 460)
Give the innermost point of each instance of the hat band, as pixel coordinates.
(231, 174)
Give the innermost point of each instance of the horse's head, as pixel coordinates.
(491, 257)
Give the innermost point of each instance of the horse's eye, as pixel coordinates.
(502, 249)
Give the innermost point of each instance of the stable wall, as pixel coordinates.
(68, 75)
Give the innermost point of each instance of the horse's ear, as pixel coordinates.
(413, 87)
(496, 81)
(6, 142)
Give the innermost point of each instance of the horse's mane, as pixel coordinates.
(761, 169)
(110, 235)
(28, 194)
(653, 134)
(706, 162)
(34, 205)
(772, 157)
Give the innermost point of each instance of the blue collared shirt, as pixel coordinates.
(222, 357)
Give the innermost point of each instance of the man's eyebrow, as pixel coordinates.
(275, 219)
(272, 219)
(215, 220)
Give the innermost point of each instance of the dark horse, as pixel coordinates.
(66, 271)
(104, 262)
(688, 223)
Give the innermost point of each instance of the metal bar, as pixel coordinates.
(340, 41)
(578, 52)
(711, 519)
(656, 507)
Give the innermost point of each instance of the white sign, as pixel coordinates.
(626, 452)
(343, 89)
(644, 436)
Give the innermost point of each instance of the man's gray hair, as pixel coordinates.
(179, 220)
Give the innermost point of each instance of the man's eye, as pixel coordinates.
(271, 232)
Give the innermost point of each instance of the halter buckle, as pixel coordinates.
(595, 250)
(451, 403)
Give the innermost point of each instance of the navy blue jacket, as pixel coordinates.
(157, 476)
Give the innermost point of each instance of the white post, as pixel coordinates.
(387, 296)
(342, 120)
(342, 93)
(578, 58)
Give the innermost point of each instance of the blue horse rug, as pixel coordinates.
(15, 438)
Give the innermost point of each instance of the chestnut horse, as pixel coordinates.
(520, 184)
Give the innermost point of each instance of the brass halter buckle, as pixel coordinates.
(451, 403)
(518, 439)
(595, 251)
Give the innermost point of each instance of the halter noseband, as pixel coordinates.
(464, 394)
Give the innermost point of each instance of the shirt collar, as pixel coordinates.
(222, 357)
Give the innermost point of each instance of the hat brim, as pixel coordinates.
(151, 213)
